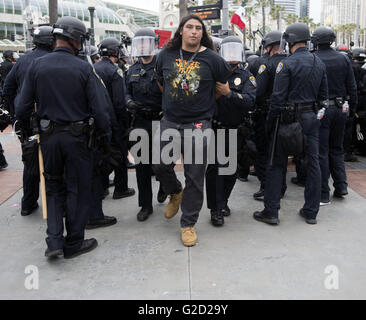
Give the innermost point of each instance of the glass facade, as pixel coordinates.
(104, 13)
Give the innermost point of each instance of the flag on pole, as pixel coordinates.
(239, 18)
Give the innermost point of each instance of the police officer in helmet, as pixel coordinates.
(44, 41)
(65, 90)
(6, 65)
(113, 78)
(265, 80)
(235, 98)
(300, 83)
(143, 100)
(357, 123)
(342, 101)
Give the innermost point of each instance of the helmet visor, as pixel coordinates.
(232, 51)
(143, 46)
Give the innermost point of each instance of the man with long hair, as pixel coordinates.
(187, 70)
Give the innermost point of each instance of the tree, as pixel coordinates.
(350, 29)
(263, 4)
(249, 12)
(291, 18)
(276, 12)
(308, 21)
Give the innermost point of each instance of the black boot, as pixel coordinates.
(259, 195)
(26, 212)
(217, 218)
(161, 195)
(226, 211)
(87, 245)
(144, 213)
(263, 216)
(124, 194)
(100, 223)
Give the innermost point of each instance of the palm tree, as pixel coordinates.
(249, 12)
(263, 4)
(351, 27)
(306, 20)
(291, 18)
(276, 12)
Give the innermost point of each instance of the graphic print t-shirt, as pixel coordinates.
(198, 101)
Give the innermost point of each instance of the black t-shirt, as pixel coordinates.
(198, 100)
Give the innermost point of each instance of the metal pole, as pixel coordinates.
(52, 7)
(92, 34)
(225, 15)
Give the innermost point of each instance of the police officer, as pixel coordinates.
(65, 89)
(101, 155)
(300, 81)
(113, 79)
(43, 40)
(6, 65)
(342, 87)
(358, 118)
(265, 80)
(143, 100)
(237, 97)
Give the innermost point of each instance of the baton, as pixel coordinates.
(41, 176)
(274, 140)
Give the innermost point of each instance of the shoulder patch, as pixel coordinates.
(262, 68)
(120, 72)
(252, 80)
(279, 67)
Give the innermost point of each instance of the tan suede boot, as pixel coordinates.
(189, 236)
(172, 207)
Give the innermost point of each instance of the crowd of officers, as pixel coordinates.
(83, 101)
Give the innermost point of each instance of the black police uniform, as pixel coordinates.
(66, 92)
(296, 84)
(113, 79)
(143, 89)
(5, 68)
(341, 87)
(265, 80)
(351, 139)
(12, 88)
(230, 113)
(254, 67)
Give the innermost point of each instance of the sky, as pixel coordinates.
(315, 6)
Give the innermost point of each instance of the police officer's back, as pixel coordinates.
(265, 81)
(65, 90)
(342, 90)
(113, 78)
(44, 43)
(300, 83)
(6, 65)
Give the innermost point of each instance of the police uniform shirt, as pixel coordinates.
(341, 80)
(5, 68)
(265, 78)
(65, 89)
(113, 79)
(254, 67)
(196, 100)
(232, 108)
(294, 84)
(142, 86)
(16, 76)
